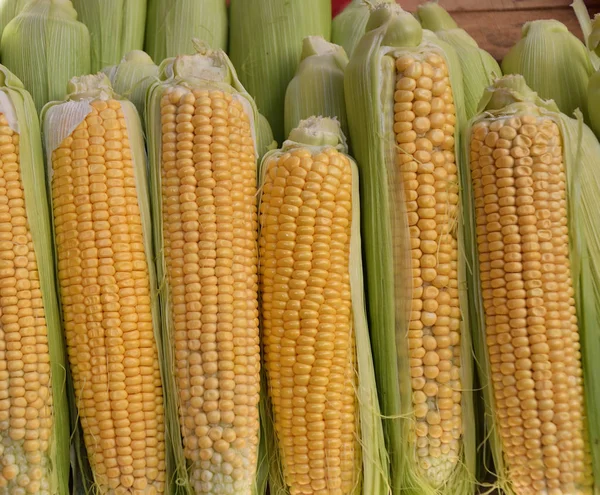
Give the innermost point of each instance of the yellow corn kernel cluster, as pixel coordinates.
(208, 171)
(309, 349)
(518, 178)
(105, 293)
(25, 391)
(424, 125)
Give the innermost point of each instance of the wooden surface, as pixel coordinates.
(496, 24)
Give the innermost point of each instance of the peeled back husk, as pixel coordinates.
(132, 77)
(264, 136)
(266, 47)
(318, 86)
(348, 27)
(317, 135)
(116, 28)
(45, 46)
(51, 471)
(371, 88)
(9, 9)
(172, 24)
(511, 98)
(479, 68)
(554, 62)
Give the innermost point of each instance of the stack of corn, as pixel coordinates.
(202, 128)
(102, 225)
(315, 342)
(535, 258)
(404, 100)
(34, 421)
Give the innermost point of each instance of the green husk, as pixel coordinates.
(266, 45)
(59, 119)
(264, 136)
(479, 68)
(9, 9)
(132, 77)
(348, 27)
(370, 85)
(172, 25)
(17, 106)
(116, 28)
(510, 96)
(318, 86)
(207, 69)
(317, 134)
(554, 63)
(45, 46)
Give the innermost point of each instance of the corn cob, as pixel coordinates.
(554, 63)
(95, 149)
(172, 24)
(116, 27)
(316, 346)
(266, 58)
(404, 102)
(45, 46)
(348, 27)
(132, 77)
(201, 126)
(530, 275)
(318, 86)
(34, 419)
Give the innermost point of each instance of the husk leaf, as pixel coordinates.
(266, 45)
(369, 85)
(9, 9)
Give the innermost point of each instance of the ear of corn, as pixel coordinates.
(554, 63)
(9, 9)
(45, 46)
(172, 24)
(96, 162)
(348, 26)
(404, 100)
(533, 220)
(132, 77)
(116, 28)
(202, 129)
(34, 418)
(479, 68)
(322, 390)
(266, 47)
(318, 86)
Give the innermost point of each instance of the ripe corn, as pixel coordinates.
(203, 161)
(45, 46)
(530, 275)
(408, 151)
(34, 421)
(313, 317)
(107, 285)
(266, 58)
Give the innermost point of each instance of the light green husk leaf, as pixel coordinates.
(172, 25)
(207, 69)
(265, 137)
(479, 68)
(18, 107)
(116, 28)
(9, 9)
(59, 119)
(370, 85)
(510, 96)
(318, 86)
(317, 134)
(45, 46)
(132, 77)
(554, 63)
(266, 46)
(348, 27)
